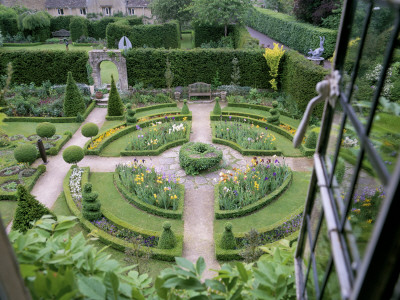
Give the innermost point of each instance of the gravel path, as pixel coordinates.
(199, 192)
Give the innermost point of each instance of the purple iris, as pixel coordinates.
(266, 128)
(253, 169)
(266, 178)
(274, 174)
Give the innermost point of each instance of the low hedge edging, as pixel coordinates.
(60, 143)
(22, 44)
(256, 106)
(117, 243)
(235, 213)
(51, 119)
(115, 118)
(156, 106)
(132, 198)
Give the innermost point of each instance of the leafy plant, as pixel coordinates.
(273, 58)
(251, 251)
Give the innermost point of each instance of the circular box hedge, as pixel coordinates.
(196, 157)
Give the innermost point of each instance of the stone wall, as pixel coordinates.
(31, 4)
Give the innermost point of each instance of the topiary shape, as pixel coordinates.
(196, 157)
(90, 130)
(45, 130)
(311, 140)
(185, 109)
(26, 154)
(73, 100)
(28, 210)
(228, 241)
(217, 108)
(274, 119)
(115, 105)
(73, 154)
(130, 118)
(167, 239)
(90, 204)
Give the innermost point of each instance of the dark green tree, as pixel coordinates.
(73, 100)
(166, 10)
(90, 204)
(28, 210)
(115, 105)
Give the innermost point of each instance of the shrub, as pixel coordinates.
(73, 101)
(90, 130)
(130, 118)
(217, 108)
(78, 28)
(228, 241)
(209, 33)
(28, 210)
(45, 130)
(36, 24)
(273, 58)
(293, 34)
(26, 153)
(196, 157)
(90, 204)
(274, 119)
(8, 21)
(311, 140)
(115, 105)
(167, 238)
(185, 108)
(60, 22)
(73, 154)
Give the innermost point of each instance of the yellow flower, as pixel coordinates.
(369, 221)
(155, 196)
(185, 118)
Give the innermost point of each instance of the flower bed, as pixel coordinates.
(93, 145)
(196, 157)
(240, 189)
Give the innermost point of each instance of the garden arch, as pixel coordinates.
(98, 56)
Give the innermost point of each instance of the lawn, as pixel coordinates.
(106, 69)
(7, 209)
(110, 124)
(111, 199)
(50, 47)
(291, 200)
(187, 41)
(153, 267)
(160, 111)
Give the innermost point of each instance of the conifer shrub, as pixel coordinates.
(228, 241)
(45, 130)
(28, 210)
(185, 109)
(73, 154)
(73, 100)
(217, 108)
(311, 140)
(115, 105)
(90, 204)
(90, 130)
(167, 239)
(26, 154)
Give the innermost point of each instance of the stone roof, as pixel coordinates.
(137, 3)
(65, 3)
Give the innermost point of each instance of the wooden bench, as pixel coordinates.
(61, 33)
(199, 89)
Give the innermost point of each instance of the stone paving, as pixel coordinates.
(199, 193)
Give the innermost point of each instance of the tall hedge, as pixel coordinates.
(299, 78)
(290, 32)
(78, 27)
(38, 66)
(208, 33)
(73, 100)
(97, 29)
(60, 22)
(148, 66)
(8, 21)
(156, 36)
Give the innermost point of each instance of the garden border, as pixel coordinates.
(116, 243)
(133, 199)
(244, 211)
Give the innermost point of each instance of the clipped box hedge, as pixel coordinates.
(166, 213)
(59, 144)
(235, 213)
(115, 118)
(165, 35)
(290, 32)
(88, 110)
(41, 65)
(117, 243)
(156, 106)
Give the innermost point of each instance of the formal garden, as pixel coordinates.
(161, 176)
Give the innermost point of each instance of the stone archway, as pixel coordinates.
(97, 56)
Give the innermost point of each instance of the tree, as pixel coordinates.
(73, 154)
(90, 130)
(36, 24)
(115, 105)
(166, 10)
(73, 101)
(45, 130)
(25, 154)
(220, 12)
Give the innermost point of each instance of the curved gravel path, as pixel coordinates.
(199, 192)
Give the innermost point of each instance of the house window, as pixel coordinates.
(83, 11)
(107, 11)
(131, 11)
(60, 11)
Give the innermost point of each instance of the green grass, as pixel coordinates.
(7, 209)
(165, 110)
(112, 200)
(50, 47)
(154, 266)
(186, 42)
(284, 206)
(115, 148)
(106, 69)
(110, 124)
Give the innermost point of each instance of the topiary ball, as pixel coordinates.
(45, 130)
(26, 153)
(90, 130)
(73, 154)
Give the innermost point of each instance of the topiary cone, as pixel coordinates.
(115, 105)
(73, 100)
(228, 241)
(167, 239)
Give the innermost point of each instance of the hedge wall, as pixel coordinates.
(287, 30)
(156, 36)
(42, 65)
(8, 21)
(208, 33)
(97, 29)
(61, 22)
(299, 78)
(78, 27)
(148, 66)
